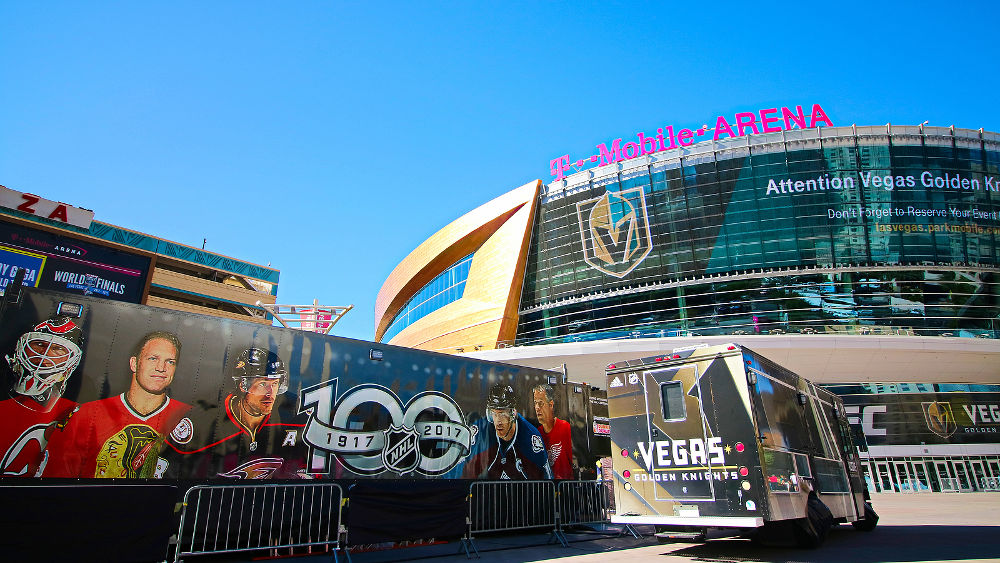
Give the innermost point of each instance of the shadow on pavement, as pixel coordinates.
(885, 543)
(522, 546)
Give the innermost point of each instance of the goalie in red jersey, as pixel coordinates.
(43, 360)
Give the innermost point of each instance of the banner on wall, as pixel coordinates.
(60, 263)
(130, 391)
(926, 418)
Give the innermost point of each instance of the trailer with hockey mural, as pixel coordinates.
(721, 437)
(114, 410)
(102, 389)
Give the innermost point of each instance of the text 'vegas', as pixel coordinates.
(695, 451)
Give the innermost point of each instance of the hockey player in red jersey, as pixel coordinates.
(245, 440)
(42, 362)
(555, 432)
(121, 436)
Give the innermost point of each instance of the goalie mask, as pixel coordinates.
(254, 363)
(44, 358)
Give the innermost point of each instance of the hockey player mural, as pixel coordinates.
(214, 399)
(248, 441)
(555, 432)
(516, 449)
(120, 436)
(42, 362)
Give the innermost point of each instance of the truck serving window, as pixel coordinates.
(672, 399)
(831, 476)
(802, 466)
(780, 470)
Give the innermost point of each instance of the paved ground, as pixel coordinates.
(924, 527)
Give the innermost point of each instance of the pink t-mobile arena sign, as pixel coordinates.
(770, 120)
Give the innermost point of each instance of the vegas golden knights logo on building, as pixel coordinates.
(940, 420)
(614, 229)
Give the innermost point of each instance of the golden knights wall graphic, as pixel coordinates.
(614, 229)
(103, 389)
(940, 420)
(925, 418)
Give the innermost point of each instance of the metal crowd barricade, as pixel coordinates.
(496, 506)
(582, 502)
(236, 518)
(587, 502)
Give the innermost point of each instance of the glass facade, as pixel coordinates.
(881, 230)
(447, 287)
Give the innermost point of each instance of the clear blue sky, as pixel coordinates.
(329, 139)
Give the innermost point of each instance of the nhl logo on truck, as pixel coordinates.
(614, 230)
(939, 417)
(400, 453)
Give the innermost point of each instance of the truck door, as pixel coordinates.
(680, 452)
(577, 400)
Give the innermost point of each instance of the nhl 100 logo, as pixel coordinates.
(395, 448)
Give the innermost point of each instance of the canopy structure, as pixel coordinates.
(314, 318)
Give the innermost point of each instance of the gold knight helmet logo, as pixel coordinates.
(614, 229)
(940, 420)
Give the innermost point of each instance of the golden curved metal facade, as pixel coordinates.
(497, 234)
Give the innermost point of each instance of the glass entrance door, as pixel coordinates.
(962, 475)
(932, 476)
(903, 477)
(945, 476)
(993, 465)
(978, 474)
(882, 477)
(869, 479)
(920, 482)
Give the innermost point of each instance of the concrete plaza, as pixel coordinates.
(912, 527)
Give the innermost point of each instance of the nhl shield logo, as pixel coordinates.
(400, 453)
(614, 229)
(940, 420)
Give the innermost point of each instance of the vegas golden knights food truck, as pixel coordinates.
(721, 437)
(122, 407)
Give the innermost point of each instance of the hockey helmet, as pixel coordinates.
(44, 358)
(255, 363)
(501, 397)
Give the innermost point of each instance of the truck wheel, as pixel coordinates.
(869, 521)
(808, 534)
(811, 530)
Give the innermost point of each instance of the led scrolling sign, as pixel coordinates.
(769, 120)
